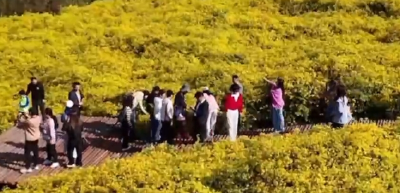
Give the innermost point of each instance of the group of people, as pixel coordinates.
(46, 125)
(168, 113)
(168, 116)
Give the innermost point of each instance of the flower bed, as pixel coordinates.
(116, 46)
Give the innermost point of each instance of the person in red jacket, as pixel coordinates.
(233, 107)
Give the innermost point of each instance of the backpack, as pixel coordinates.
(64, 117)
(56, 125)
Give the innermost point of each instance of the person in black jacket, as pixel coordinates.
(74, 129)
(76, 96)
(38, 97)
(201, 116)
(150, 100)
(180, 111)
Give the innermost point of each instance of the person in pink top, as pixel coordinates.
(213, 108)
(277, 93)
(50, 136)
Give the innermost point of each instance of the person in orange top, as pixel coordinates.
(233, 107)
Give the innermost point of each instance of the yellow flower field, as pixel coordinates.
(359, 158)
(115, 46)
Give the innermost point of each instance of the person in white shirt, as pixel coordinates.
(138, 97)
(156, 121)
(213, 109)
(167, 114)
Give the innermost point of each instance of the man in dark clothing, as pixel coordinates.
(76, 96)
(201, 116)
(150, 100)
(180, 111)
(37, 97)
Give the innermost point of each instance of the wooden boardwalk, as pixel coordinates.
(103, 144)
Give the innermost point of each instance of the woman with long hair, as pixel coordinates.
(49, 135)
(341, 114)
(330, 94)
(277, 93)
(74, 129)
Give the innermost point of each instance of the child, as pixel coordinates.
(23, 105)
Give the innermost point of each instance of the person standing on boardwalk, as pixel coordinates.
(341, 114)
(213, 109)
(150, 105)
(36, 89)
(76, 96)
(50, 136)
(68, 110)
(156, 124)
(127, 120)
(74, 129)
(167, 115)
(201, 116)
(233, 107)
(236, 80)
(180, 111)
(277, 93)
(31, 127)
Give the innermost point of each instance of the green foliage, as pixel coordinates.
(360, 158)
(116, 46)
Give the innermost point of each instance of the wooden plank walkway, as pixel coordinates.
(104, 144)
